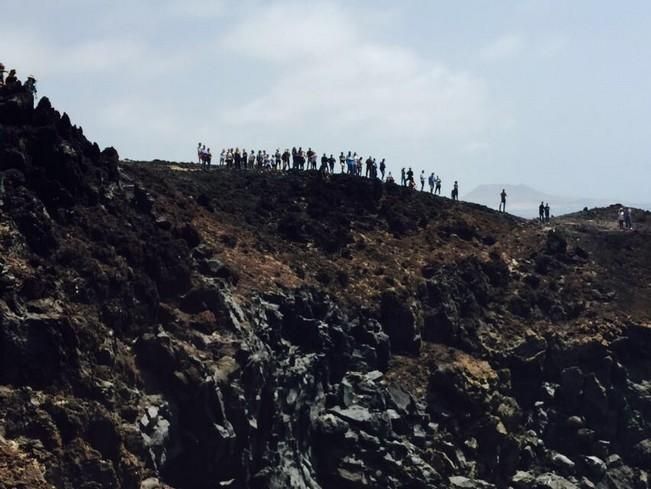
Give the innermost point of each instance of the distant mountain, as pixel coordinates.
(523, 200)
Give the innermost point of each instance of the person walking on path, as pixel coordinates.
(502, 207)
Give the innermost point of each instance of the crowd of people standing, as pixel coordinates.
(299, 159)
(349, 163)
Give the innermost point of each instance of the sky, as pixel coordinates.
(548, 93)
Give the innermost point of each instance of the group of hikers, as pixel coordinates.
(299, 159)
(12, 80)
(352, 164)
(434, 182)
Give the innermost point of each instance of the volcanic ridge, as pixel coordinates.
(163, 326)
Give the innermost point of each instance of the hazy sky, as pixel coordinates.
(555, 94)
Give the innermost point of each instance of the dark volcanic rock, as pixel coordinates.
(400, 322)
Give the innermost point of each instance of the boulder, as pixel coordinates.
(212, 267)
(595, 467)
(362, 417)
(461, 482)
(556, 243)
(563, 463)
(642, 453)
(569, 392)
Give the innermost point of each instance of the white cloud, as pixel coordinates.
(333, 75)
(130, 113)
(505, 47)
(114, 56)
(292, 33)
(475, 147)
(552, 46)
(203, 9)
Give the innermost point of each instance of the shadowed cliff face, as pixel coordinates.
(167, 327)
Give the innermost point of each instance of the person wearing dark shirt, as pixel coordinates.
(547, 212)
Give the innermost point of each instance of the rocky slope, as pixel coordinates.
(166, 327)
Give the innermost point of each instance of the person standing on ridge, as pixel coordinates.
(455, 191)
(422, 180)
(310, 154)
(547, 212)
(403, 178)
(410, 178)
(621, 217)
(30, 84)
(12, 79)
(502, 207)
(285, 159)
(314, 159)
(383, 167)
(369, 164)
(324, 164)
(541, 212)
(350, 164)
(277, 159)
(331, 163)
(2, 74)
(437, 189)
(628, 218)
(431, 180)
(208, 159)
(199, 152)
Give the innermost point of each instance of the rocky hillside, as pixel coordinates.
(167, 327)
